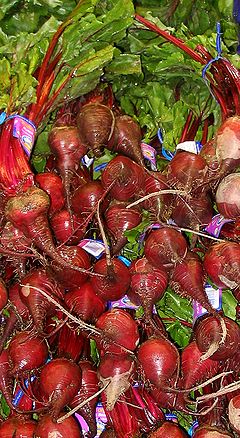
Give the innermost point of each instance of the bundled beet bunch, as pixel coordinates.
(93, 242)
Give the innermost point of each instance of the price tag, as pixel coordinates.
(189, 146)
(216, 224)
(25, 131)
(215, 298)
(150, 154)
(87, 161)
(93, 247)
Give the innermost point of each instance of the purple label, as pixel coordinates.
(25, 131)
(215, 298)
(101, 420)
(126, 303)
(216, 224)
(150, 154)
(93, 247)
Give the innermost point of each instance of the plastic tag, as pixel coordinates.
(171, 417)
(93, 247)
(193, 428)
(216, 224)
(189, 146)
(150, 154)
(25, 131)
(215, 298)
(87, 161)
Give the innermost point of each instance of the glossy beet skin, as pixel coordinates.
(126, 176)
(159, 206)
(74, 256)
(51, 183)
(26, 352)
(18, 427)
(47, 428)
(121, 328)
(115, 284)
(86, 197)
(85, 303)
(159, 359)
(228, 196)
(95, 124)
(59, 382)
(165, 247)
(64, 226)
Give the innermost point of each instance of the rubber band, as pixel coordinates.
(218, 49)
(167, 154)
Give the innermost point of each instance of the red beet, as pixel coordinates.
(76, 257)
(222, 264)
(113, 286)
(64, 227)
(85, 303)
(227, 145)
(120, 327)
(59, 381)
(39, 306)
(228, 196)
(211, 432)
(51, 183)
(18, 427)
(127, 138)
(66, 145)
(95, 126)
(47, 428)
(119, 219)
(12, 238)
(159, 359)
(165, 246)
(26, 352)
(159, 206)
(234, 413)
(127, 176)
(188, 279)
(70, 343)
(89, 387)
(169, 429)
(209, 333)
(86, 197)
(6, 381)
(192, 212)
(148, 284)
(3, 294)
(115, 370)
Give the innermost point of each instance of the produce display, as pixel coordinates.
(120, 219)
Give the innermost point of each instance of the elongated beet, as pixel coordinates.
(119, 219)
(159, 359)
(113, 286)
(127, 176)
(66, 145)
(26, 352)
(86, 197)
(64, 226)
(60, 381)
(115, 371)
(127, 138)
(51, 183)
(84, 302)
(95, 123)
(74, 257)
(89, 387)
(120, 327)
(165, 247)
(28, 212)
(17, 426)
(188, 279)
(47, 428)
(228, 196)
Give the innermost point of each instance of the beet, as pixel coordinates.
(159, 206)
(26, 352)
(3, 294)
(211, 432)
(17, 427)
(86, 197)
(51, 183)
(74, 256)
(228, 196)
(64, 226)
(85, 303)
(70, 343)
(234, 413)
(169, 429)
(47, 428)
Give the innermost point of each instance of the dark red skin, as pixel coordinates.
(46, 427)
(89, 386)
(119, 219)
(121, 328)
(3, 294)
(159, 360)
(6, 381)
(74, 256)
(209, 331)
(122, 418)
(194, 371)
(12, 320)
(26, 352)
(63, 227)
(118, 368)
(95, 123)
(70, 343)
(192, 213)
(228, 196)
(188, 279)
(17, 426)
(114, 285)
(233, 412)
(169, 429)
(39, 306)
(165, 247)
(222, 264)
(12, 238)
(51, 183)
(186, 171)
(211, 432)
(147, 283)
(159, 206)
(85, 303)
(86, 197)
(59, 381)
(128, 178)
(127, 138)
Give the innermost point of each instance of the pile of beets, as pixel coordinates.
(55, 297)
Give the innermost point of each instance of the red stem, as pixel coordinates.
(186, 126)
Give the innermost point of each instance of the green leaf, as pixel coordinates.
(125, 64)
